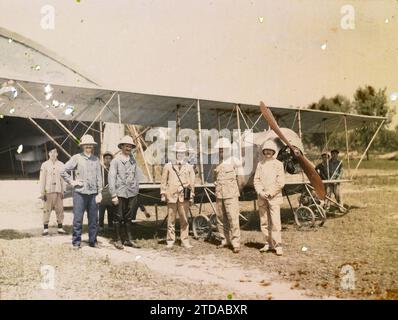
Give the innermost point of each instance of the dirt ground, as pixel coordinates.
(314, 264)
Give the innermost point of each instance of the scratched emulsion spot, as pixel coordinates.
(323, 46)
(20, 148)
(394, 96)
(48, 88)
(12, 110)
(14, 92)
(261, 19)
(55, 103)
(69, 110)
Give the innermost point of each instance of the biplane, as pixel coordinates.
(37, 85)
(286, 126)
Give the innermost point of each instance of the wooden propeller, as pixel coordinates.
(305, 164)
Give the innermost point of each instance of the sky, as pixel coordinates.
(285, 52)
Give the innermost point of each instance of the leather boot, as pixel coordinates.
(117, 237)
(129, 242)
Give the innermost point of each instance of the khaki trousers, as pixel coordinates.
(54, 202)
(228, 221)
(182, 209)
(270, 222)
(334, 189)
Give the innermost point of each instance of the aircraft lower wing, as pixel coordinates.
(150, 192)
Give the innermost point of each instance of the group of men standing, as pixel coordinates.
(119, 196)
(178, 190)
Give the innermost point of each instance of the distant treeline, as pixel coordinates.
(366, 101)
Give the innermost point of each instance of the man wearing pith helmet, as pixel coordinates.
(269, 180)
(177, 188)
(124, 181)
(228, 177)
(87, 188)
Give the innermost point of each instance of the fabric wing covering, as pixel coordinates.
(156, 111)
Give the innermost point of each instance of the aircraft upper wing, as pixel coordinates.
(156, 111)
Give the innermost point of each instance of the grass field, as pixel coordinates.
(364, 242)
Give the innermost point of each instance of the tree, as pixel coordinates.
(338, 103)
(368, 101)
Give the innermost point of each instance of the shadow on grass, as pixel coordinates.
(251, 222)
(254, 245)
(10, 234)
(145, 230)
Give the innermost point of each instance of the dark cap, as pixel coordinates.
(107, 153)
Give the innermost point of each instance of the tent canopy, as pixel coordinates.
(156, 111)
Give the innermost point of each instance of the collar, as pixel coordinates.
(124, 159)
(86, 157)
(177, 163)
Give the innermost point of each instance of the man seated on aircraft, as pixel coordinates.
(52, 188)
(269, 180)
(177, 188)
(335, 173)
(124, 177)
(228, 182)
(322, 168)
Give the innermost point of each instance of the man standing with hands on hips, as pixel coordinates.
(124, 180)
(269, 180)
(87, 188)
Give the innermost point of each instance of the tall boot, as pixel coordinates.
(129, 242)
(117, 237)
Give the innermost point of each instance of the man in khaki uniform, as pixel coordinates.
(269, 180)
(228, 181)
(52, 189)
(175, 177)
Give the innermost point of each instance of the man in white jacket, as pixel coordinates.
(269, 180)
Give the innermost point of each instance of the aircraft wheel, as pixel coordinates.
(304, 217)
(201, 227)
(213, 220)
(320, 214)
